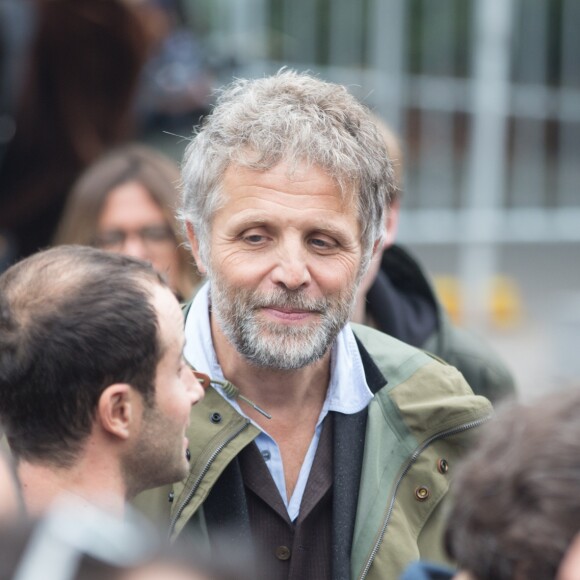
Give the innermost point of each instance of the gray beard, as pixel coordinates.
(274, 345)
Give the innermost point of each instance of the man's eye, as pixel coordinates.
(110, 239)
(322, 244)
(254, 239)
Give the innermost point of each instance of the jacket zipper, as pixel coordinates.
(410, 463)
(204, 471)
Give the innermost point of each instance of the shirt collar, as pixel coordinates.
(348, 391)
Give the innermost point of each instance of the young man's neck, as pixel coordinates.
(42, 484)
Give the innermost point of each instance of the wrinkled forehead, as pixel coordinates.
(299, 175)
(296, 164)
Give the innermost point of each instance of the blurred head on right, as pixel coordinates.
(515, 508)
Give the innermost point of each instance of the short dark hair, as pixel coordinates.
(515, 505)
(73, 320)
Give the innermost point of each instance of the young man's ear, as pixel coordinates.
(194, 243)
(118, 409)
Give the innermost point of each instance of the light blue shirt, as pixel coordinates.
(347, 393)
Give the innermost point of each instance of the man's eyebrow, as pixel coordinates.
(250, 221)
(328, 228)
(332, 231)
(264, 219)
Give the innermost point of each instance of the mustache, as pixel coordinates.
(287, 299)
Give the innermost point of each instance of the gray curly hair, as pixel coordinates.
(295, 118)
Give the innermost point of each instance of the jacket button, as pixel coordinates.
(188, 454)
(283, 553)
(171, 497)
(215, 418)
(442, 466)
(422, 493)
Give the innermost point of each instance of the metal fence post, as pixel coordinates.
(487, 154)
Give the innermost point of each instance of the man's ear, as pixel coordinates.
(392, 222)
(119, 409)
(194, 243)
(378, 247)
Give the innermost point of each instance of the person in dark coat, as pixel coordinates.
(397, 298)
(74, 93)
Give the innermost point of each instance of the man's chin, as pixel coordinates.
(178, 471)
(175, 476)
(280, 360)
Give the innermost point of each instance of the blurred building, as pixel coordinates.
(480, 90)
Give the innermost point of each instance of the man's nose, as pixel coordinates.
(196, 389)
(292, 268)
(134, 247)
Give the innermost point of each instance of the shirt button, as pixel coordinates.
(266, 455)
(283, 553)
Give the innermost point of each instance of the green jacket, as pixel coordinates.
(418, 424)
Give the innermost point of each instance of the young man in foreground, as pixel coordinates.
(95, 395)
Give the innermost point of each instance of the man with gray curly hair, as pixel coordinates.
(327, 444)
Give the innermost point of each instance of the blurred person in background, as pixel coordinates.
(396, 297)
(514, 510)
(95, 395)
(6, 251)
(73, 74)
(570, 567)
(176, 84)
(184, 560)
(125, 202)
(78, 542)
(71, 541)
